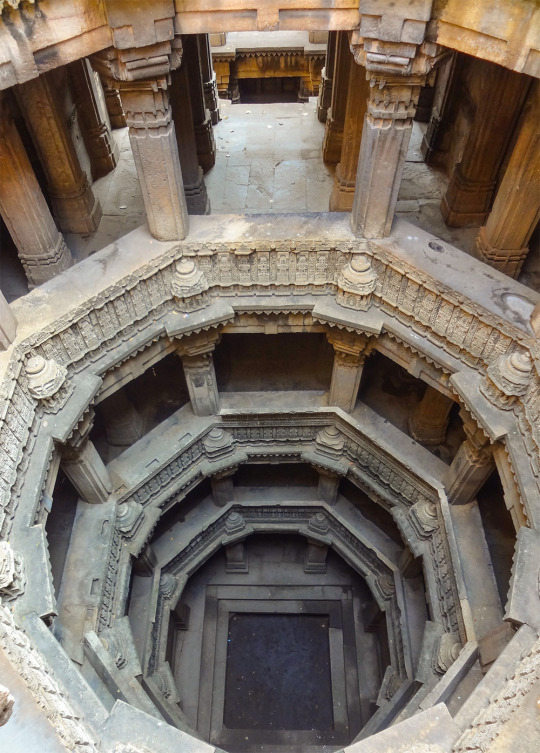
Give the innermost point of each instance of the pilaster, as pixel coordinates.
(503, 241)
(470, 191)
(335, 119)
(40, 246)
(471, 466)
(342, 197)
(324, 100)
(211, 99)
(74, 205)
(94, 121)
(117, 116)
(429, 421)
(202, 121)
(143, 77)
(350, 355)
(198, 362)
(8, 324)
(192, 175)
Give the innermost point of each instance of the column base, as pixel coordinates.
(427, 435)
(43, 267)
(508, 261)
(104, 152)
(197, 200)
(342, 196)
(332, 141)
(206, 145)
(78, 213)
(466, 202)
(211, 100)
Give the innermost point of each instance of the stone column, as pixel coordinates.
(324, 99)
(8, 324)
(335, 119)
(211, 99)
(113, 103)
(385, 138)
(87, 472)
(124, 425)
(41, 247)
(342, 197)
(470, 191)
(223, 487)
(349, 358)
(200, 375)
(503, 241)
(94, 120)
(204, 135)
(429, 421)
(447, 91)
(328, 486)
(74, 205)
(194, 187)
(471, 466)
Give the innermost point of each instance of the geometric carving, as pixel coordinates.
(189, 282)
(218, 444)
(129, 516)
(45, 377)
(330, 442)
(319, 523)
(423, 517)
(356, 282)
(12, 573)
(507, 379)
(447, 650)
(234, 523)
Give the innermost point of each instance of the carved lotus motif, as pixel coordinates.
(45, 377)
(188, 280)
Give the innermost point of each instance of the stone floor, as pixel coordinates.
(268, 161)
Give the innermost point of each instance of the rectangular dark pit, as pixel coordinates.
(278, 674)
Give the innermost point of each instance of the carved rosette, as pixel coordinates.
(330, 442)
(189, 286)
(12, 572)
(447, 650)
(45, 377)
(129, 517)
(218, 444)
(507, 379)
(6, 705)
(356, 282)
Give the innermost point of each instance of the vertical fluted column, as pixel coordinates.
(349, 357)
(94, 120)
(204, 135)
(211, 99)
(8, 324)
(194, 187)
(324, 99)
(470, 191)
(74, 205)
(429, 421)
(342, 197)
(198, 362)
(335, 119)
(40, 246)
(503, 241)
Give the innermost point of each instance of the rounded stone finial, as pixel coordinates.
(356, 282)
(218, 443)
(507, 379)
(330, 441)
(45, 377)
(188, 280)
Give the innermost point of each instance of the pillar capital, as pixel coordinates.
(349, 344)
(201, 344)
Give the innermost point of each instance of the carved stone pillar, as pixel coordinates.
(8, 324)
(94, 120)
(211, 99)
(324, 99)
(113, 103)
(194, 187)
(41, 247)
(470, 191)
(328, 486)
(503, 241)
(429, 421)
(87, 472)
(342, 197)
(74, 205)
(447, 91)
(200, 375)
(123, 423)
(471, 466)
(222, 488)
(349, 358)
(315, 558)
(204, 135)
(335, 119)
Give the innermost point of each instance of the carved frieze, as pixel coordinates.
(12, 572)
(507, 379)
(356, 282)
(189, 285)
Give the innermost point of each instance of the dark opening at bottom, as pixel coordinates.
(278, 673)
(269, 90)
